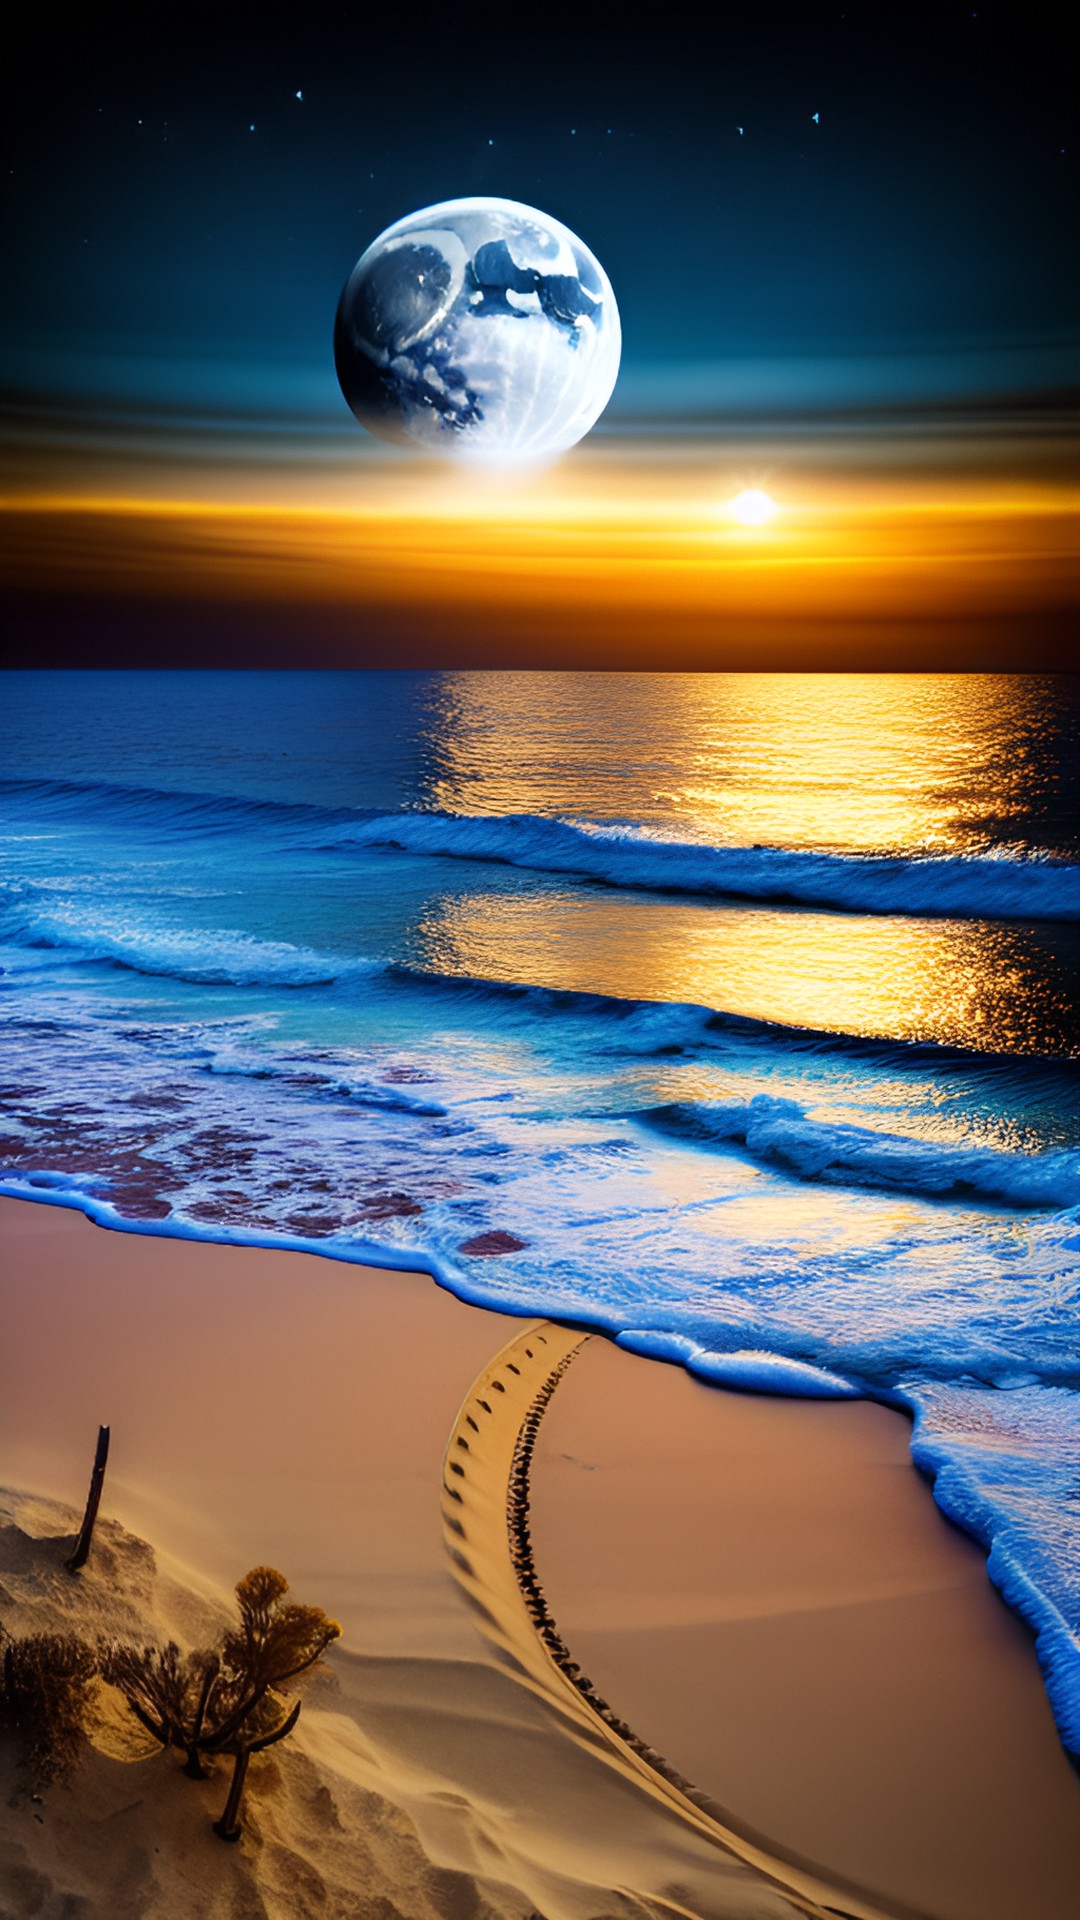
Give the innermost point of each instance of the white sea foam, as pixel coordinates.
(36, 922)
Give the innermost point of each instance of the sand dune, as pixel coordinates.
(135, 1838)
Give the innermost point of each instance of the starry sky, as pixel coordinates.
(842, 240)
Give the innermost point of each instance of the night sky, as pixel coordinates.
(835, 233)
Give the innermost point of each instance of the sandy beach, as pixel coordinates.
(763, 1590)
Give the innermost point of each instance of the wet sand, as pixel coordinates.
(770, 1594)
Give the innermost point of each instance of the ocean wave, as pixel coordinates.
(669, 1029)
(629, 855)
(748, 1369)
(164, 807)
(32, 921)
(963, 887)
(1003, 1468)
(43, 929)
(779, 1133)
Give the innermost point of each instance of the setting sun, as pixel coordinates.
(752, 508)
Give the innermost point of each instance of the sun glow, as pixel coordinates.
(752, 507)
(624, 556)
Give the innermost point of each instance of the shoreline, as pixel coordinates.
(799, 1627)
(486, 1517)
(266, 1410)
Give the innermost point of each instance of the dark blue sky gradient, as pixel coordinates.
(916, 243)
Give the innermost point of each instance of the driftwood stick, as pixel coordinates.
(93, 1502)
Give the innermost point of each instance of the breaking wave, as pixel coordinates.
(39, 925)
(627, 855)
(969, 887)
(779, 1133)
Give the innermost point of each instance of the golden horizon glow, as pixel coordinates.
(673, 546)
(617, 539)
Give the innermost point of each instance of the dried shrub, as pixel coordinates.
(167, 1691)
(227, 1700)
(274, 1641)
(46, 1687)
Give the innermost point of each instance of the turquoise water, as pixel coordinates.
(735, 1015)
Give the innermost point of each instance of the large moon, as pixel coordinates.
(480, 330)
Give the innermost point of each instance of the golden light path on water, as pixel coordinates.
(993, 985)
(850, 763)
(906, 765)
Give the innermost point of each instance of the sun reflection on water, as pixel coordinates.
(995, 986)
(852, 763)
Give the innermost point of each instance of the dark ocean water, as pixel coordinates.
(736, 1015)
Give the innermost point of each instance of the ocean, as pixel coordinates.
(734, 1015)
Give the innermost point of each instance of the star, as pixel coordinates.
(816, 118)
